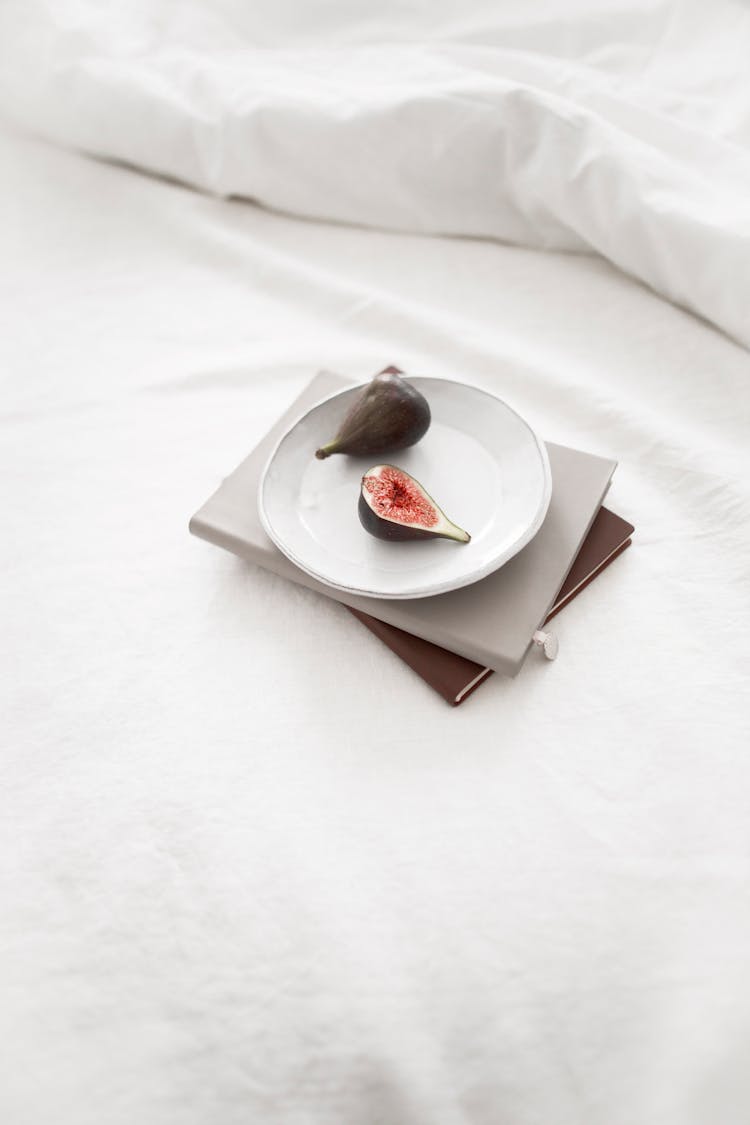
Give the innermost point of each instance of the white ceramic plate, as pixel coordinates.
(479, 460)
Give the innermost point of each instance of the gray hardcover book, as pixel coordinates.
(492, 621)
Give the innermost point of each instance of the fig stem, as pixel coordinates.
(325, 451)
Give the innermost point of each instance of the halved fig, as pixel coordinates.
(393, 505)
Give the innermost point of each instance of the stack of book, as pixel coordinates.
(454, 641)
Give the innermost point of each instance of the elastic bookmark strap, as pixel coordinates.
(547, 642)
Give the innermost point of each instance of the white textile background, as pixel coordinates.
(251, 868)
(621, 126)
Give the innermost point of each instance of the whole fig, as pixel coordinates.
(389, 414)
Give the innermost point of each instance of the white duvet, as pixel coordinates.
(251, 868)
(615, 126)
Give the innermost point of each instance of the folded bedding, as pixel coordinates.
(618, 127)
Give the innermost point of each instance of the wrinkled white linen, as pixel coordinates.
(251, 868)
(622, 127)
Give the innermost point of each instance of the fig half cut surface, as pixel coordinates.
(393, 505)
(389, 414)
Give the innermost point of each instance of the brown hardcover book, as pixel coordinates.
(455, 677)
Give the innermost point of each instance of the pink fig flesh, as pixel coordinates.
(395, 506)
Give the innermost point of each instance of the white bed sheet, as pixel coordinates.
(252, 868)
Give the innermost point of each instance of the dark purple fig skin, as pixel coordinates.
(385, 529)
(390, 414)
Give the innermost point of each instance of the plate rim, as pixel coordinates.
(443, 587)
